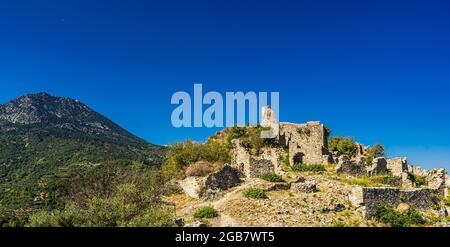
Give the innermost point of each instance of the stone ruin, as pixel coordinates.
(307, 143)
(368, 198)
(250, 166)
(208, 186)
(426, 197)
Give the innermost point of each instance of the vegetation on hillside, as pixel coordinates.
(255, 193)
(251, 137)
(369, 181)
(272, 177)
(390, 216)
(36, 165)
(181, 155)
(115, 194)
(417, 180)
(206, 212)
(345, 146)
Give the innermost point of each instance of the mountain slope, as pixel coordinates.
(45, 141)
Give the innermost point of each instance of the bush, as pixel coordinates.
(447, 201)
(308, 168)
(337, 223)
(418, 181)
(43, 219)
(375, 152)
(343, 145)
(327, 132)
(206, 212)
(255, 193)
(251, 136)
(388, 215)
(132, 198)
(272, 177)
(199, 169)
(180, 155)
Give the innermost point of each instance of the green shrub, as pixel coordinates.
(180, 155)
(124, 199)
(308, 168)
(251, 137)
(337, 223)
(272, 177)
(447, 201)
(255, 193)
(388, 215)
(236, 132)
(43, 219)
(206, 212)
(375, 152)
(343, 145)
(417, 180)
(327, 132)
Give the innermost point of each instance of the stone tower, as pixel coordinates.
(268, 119)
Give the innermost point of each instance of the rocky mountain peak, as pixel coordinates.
(43, 108)
(47, 111)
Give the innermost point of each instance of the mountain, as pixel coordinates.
(45, 141)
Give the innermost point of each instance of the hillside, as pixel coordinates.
(47, 141)
(302, 177)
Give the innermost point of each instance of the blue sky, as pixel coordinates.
(375, 70)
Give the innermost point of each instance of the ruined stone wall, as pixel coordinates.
(258, 167)
(206, 187)
(307, 143)
(193, 186)
(397, 166)
(240, 157)
(371, 197)
(379, 166)
(274, 155)
(223, 179)
(436, 178)
(447, 181)
(252, 167)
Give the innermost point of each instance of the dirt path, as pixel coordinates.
(226, 220)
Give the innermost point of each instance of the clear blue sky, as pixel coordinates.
(375, 70)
